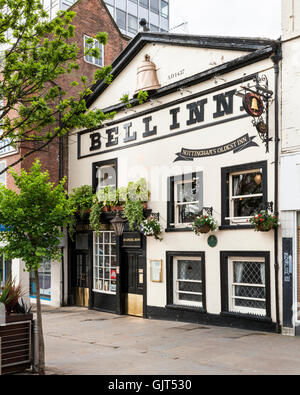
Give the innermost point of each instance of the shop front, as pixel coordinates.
(205, 147)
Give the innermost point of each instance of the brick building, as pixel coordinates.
(92, 16)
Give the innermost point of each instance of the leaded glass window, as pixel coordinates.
(247, 284)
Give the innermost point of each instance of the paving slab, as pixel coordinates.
(84, 342)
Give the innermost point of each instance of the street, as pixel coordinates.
(83, 342)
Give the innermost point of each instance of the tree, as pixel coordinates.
(35, 52)
(33, 219)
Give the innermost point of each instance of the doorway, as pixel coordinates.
(80, 271)
(134, 285)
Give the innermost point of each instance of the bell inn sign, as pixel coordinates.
(164, 121)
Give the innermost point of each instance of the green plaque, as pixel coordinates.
(212, 241)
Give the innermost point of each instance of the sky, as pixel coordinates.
(242, 18)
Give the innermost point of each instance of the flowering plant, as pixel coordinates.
(264, 221)
(151, 227)
(204, 224)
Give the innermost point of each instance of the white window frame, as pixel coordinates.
(99, 168)
(176, 291)
(232, 285)
(239, 220)
(177, 205)
(96, 265)
(88, 57)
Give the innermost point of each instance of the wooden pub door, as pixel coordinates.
(134, 282)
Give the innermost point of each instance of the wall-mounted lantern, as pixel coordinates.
(118, 224)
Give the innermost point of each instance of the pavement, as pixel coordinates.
(79, 341)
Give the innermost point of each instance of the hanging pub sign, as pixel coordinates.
(253, 104)
(237, 145)
(132, 240)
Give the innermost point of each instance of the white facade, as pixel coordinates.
(147, 141)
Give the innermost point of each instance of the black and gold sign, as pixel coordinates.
(132, 239)
(236, 146)
(253, 104)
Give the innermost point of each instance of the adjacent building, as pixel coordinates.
(289, 167)
(128, 13)
(199, 146)
(92, 16)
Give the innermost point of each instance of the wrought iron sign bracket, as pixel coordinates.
(269, 206)
(155, 215)
(209, 210)
(256, 98)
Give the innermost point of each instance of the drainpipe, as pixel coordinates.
(276, 59)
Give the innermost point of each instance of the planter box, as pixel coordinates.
(16, 343)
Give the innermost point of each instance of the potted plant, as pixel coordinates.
(108, 197)
(204, 224)
(151, 227)
(263, 221)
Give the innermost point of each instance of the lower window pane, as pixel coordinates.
(190, 297)
(250, 292)
(190, 287)
(188, 212)
(245, 207)
(251, 304)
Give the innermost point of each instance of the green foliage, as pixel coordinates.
(133, 211)
(95, 214)
(108, 196)
(33, 218)
(142, 96)
(81, 199)
(10, 295)
(38, 52)
(264, 221)
(132, 197)
(136, 194)
(125, 100)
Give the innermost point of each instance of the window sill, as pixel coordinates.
(178, 230)
(232, 227)
(185, 308)
(246, 316)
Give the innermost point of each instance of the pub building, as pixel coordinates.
(206, 141)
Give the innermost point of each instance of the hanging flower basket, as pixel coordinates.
(202, 229)
(264, 222)
(151, 227)
(204, 224)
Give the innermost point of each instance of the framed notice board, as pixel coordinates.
(156, 270)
